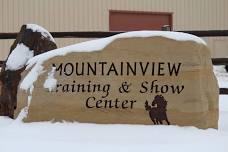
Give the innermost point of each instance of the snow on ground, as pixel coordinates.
(71, 137)
(16, 136)
(221, 75)
(223, 111)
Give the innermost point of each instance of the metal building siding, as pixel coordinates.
(93, 15)
(59, 15)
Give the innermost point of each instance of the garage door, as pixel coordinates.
(131, 20)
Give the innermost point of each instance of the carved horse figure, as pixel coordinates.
(157, 110)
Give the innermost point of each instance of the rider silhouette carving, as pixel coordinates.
(157, 110)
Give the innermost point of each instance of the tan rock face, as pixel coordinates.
(132, 81)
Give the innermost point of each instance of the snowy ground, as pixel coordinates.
(71, 137)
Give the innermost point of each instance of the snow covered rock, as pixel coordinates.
(146, 77)
(18, 57)
(31, 40)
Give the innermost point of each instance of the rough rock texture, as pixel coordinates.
(147, 96)
(9, 79)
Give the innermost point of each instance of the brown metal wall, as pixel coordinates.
(93, 15)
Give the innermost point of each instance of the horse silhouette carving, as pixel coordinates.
(157, 110)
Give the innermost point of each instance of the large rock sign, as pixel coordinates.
(150, 80)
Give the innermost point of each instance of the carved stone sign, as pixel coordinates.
(152, 80)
